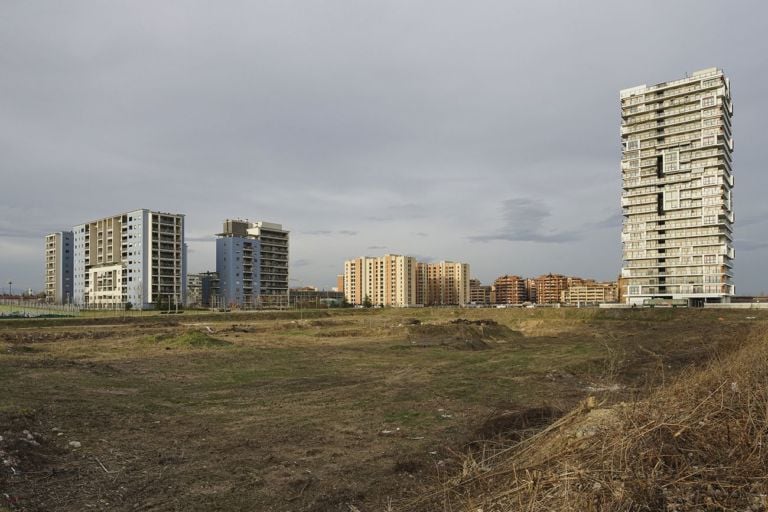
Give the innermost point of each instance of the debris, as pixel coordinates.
(75, 444)
(102, 466)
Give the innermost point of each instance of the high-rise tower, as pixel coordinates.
(677, 180)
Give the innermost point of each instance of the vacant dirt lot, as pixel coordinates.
(311, 411)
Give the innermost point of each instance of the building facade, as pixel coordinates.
(677, 181)
(202, 290)
(586, 292)
(388, 280)
(270, 276)
(445, 283)
(479, 294)
(238, 268)
(549, 288)
(59, 257)
(136, 258)
(510, 290)
(401, 281)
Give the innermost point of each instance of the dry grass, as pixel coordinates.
(698, 443)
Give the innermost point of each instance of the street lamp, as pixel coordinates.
(10, 289)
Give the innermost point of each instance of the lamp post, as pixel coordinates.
(10, 289)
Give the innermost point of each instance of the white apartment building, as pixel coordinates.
(138, 257)
(677, 179)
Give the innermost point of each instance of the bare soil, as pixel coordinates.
(310, 411)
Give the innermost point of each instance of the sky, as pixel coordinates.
(483, 132)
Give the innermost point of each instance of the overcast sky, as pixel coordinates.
(481, 132)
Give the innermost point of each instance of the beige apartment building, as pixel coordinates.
(587, 292)
(677, 179)
(388, 280)
(137, 257)
(401, 281)
(445, 283)
(59, 253)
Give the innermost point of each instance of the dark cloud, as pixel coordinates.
(376, 247)
(523, 220)
(347, 232)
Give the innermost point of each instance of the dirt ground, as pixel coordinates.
(308, 411)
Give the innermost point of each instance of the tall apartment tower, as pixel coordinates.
(677, 180)
(138, 257)
(263, 265)
(388, 280)
(59, 252)
(443, 284)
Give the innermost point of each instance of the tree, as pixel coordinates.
(367, 302)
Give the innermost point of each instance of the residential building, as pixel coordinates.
(136, 258)
(445, 283)
(311, 297)
(388, 280)
(237, 265)
(269, 244)
(677, 178)
(481, 295)
(401, 281)
(202, 289)
(530, 290)
(549, 288)
(588, 292)
(510, 290)
(59, 252)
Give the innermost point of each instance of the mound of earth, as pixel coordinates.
(188, 339)
(461, 334)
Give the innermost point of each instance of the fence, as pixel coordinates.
(34, 308)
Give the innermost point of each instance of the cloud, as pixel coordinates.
(318, 232)
(301, 263)
(347, 232)
(523, 220)
(376, 247)
(421, 234)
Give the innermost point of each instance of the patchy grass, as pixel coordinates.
(188, 339)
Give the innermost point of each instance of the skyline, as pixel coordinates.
(437, 130)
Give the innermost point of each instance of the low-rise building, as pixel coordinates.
(590, 293)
